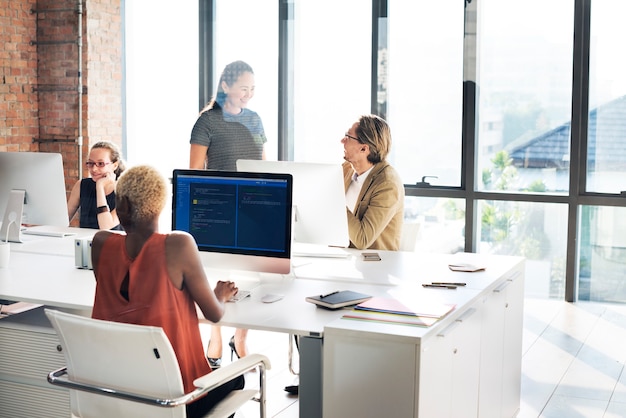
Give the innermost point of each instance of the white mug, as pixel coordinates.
(5, 251)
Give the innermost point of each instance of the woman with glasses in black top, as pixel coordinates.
(94, 196)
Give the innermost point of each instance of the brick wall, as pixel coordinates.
(57, 81)
(39, 69)
(18, 73)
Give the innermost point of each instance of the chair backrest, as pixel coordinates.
(408, 238)
(125, 357)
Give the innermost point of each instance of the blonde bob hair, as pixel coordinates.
(141, 191)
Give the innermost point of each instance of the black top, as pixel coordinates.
(88, 209)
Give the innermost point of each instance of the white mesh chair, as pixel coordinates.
(408, 238)
(121, 370)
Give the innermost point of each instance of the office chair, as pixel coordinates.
(121, 370)
(408, 237)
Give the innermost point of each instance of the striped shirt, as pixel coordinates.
(229, 137)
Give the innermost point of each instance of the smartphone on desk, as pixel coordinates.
(370, 256)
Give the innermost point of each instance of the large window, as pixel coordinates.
(440, 223)
(332, 73)
(525, 93)
(161, 82)
(524, 102)
(536, 231)
(606, 159)
(602, 229)
(247, 30)
(602, 261)
(423, 74)
(513, 111)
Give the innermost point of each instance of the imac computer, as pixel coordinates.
(318, 199)
(32, 184)
(240, 221)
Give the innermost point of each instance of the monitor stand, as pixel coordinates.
(12, 220)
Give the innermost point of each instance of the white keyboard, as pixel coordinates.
(46, 232)
(241, 294)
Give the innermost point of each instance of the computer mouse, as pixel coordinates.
(271, 297)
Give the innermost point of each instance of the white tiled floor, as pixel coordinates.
(572, 364)
(573, 360)
(280, 404)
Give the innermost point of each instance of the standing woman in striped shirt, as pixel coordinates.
(225, 132)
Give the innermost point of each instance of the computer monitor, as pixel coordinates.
(241, 221)
(40, 175)
(319, 199)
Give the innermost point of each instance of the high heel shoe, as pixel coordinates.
(214, 362)
(231, 344)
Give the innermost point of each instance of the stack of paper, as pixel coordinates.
(390, 310)
(17, 307)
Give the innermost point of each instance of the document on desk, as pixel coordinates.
(421, 308)
(389, 318)
(17, 307)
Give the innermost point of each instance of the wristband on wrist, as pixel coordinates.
(102, 209)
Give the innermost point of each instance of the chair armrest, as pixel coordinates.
(203, 384)
(226, 373)
(60, 378)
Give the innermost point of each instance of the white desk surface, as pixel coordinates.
(399, 268)
(38, 244)
(43, 271)
(47, 279)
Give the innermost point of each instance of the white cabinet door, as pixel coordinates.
(512, 352)
(372, 375)
(449, 369)
(490, 398)
(501, 352)
(435, 374)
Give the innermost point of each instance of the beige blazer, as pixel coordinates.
(377, 219)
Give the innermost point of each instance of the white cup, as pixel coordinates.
(5, 251)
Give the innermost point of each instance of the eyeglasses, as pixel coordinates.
(98, 164)
(352, 137)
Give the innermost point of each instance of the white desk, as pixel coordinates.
(355, 354)
(37, 244)
(466, 365)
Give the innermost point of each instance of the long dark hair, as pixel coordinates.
(230, 75)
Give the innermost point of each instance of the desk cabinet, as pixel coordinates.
(466, 366)
(449, 370)
(28, 352)
(502, 349)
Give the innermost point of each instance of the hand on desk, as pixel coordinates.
(225, 290)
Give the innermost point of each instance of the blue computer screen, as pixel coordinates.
(234, 212)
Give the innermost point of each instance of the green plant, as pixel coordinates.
(511, 227)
